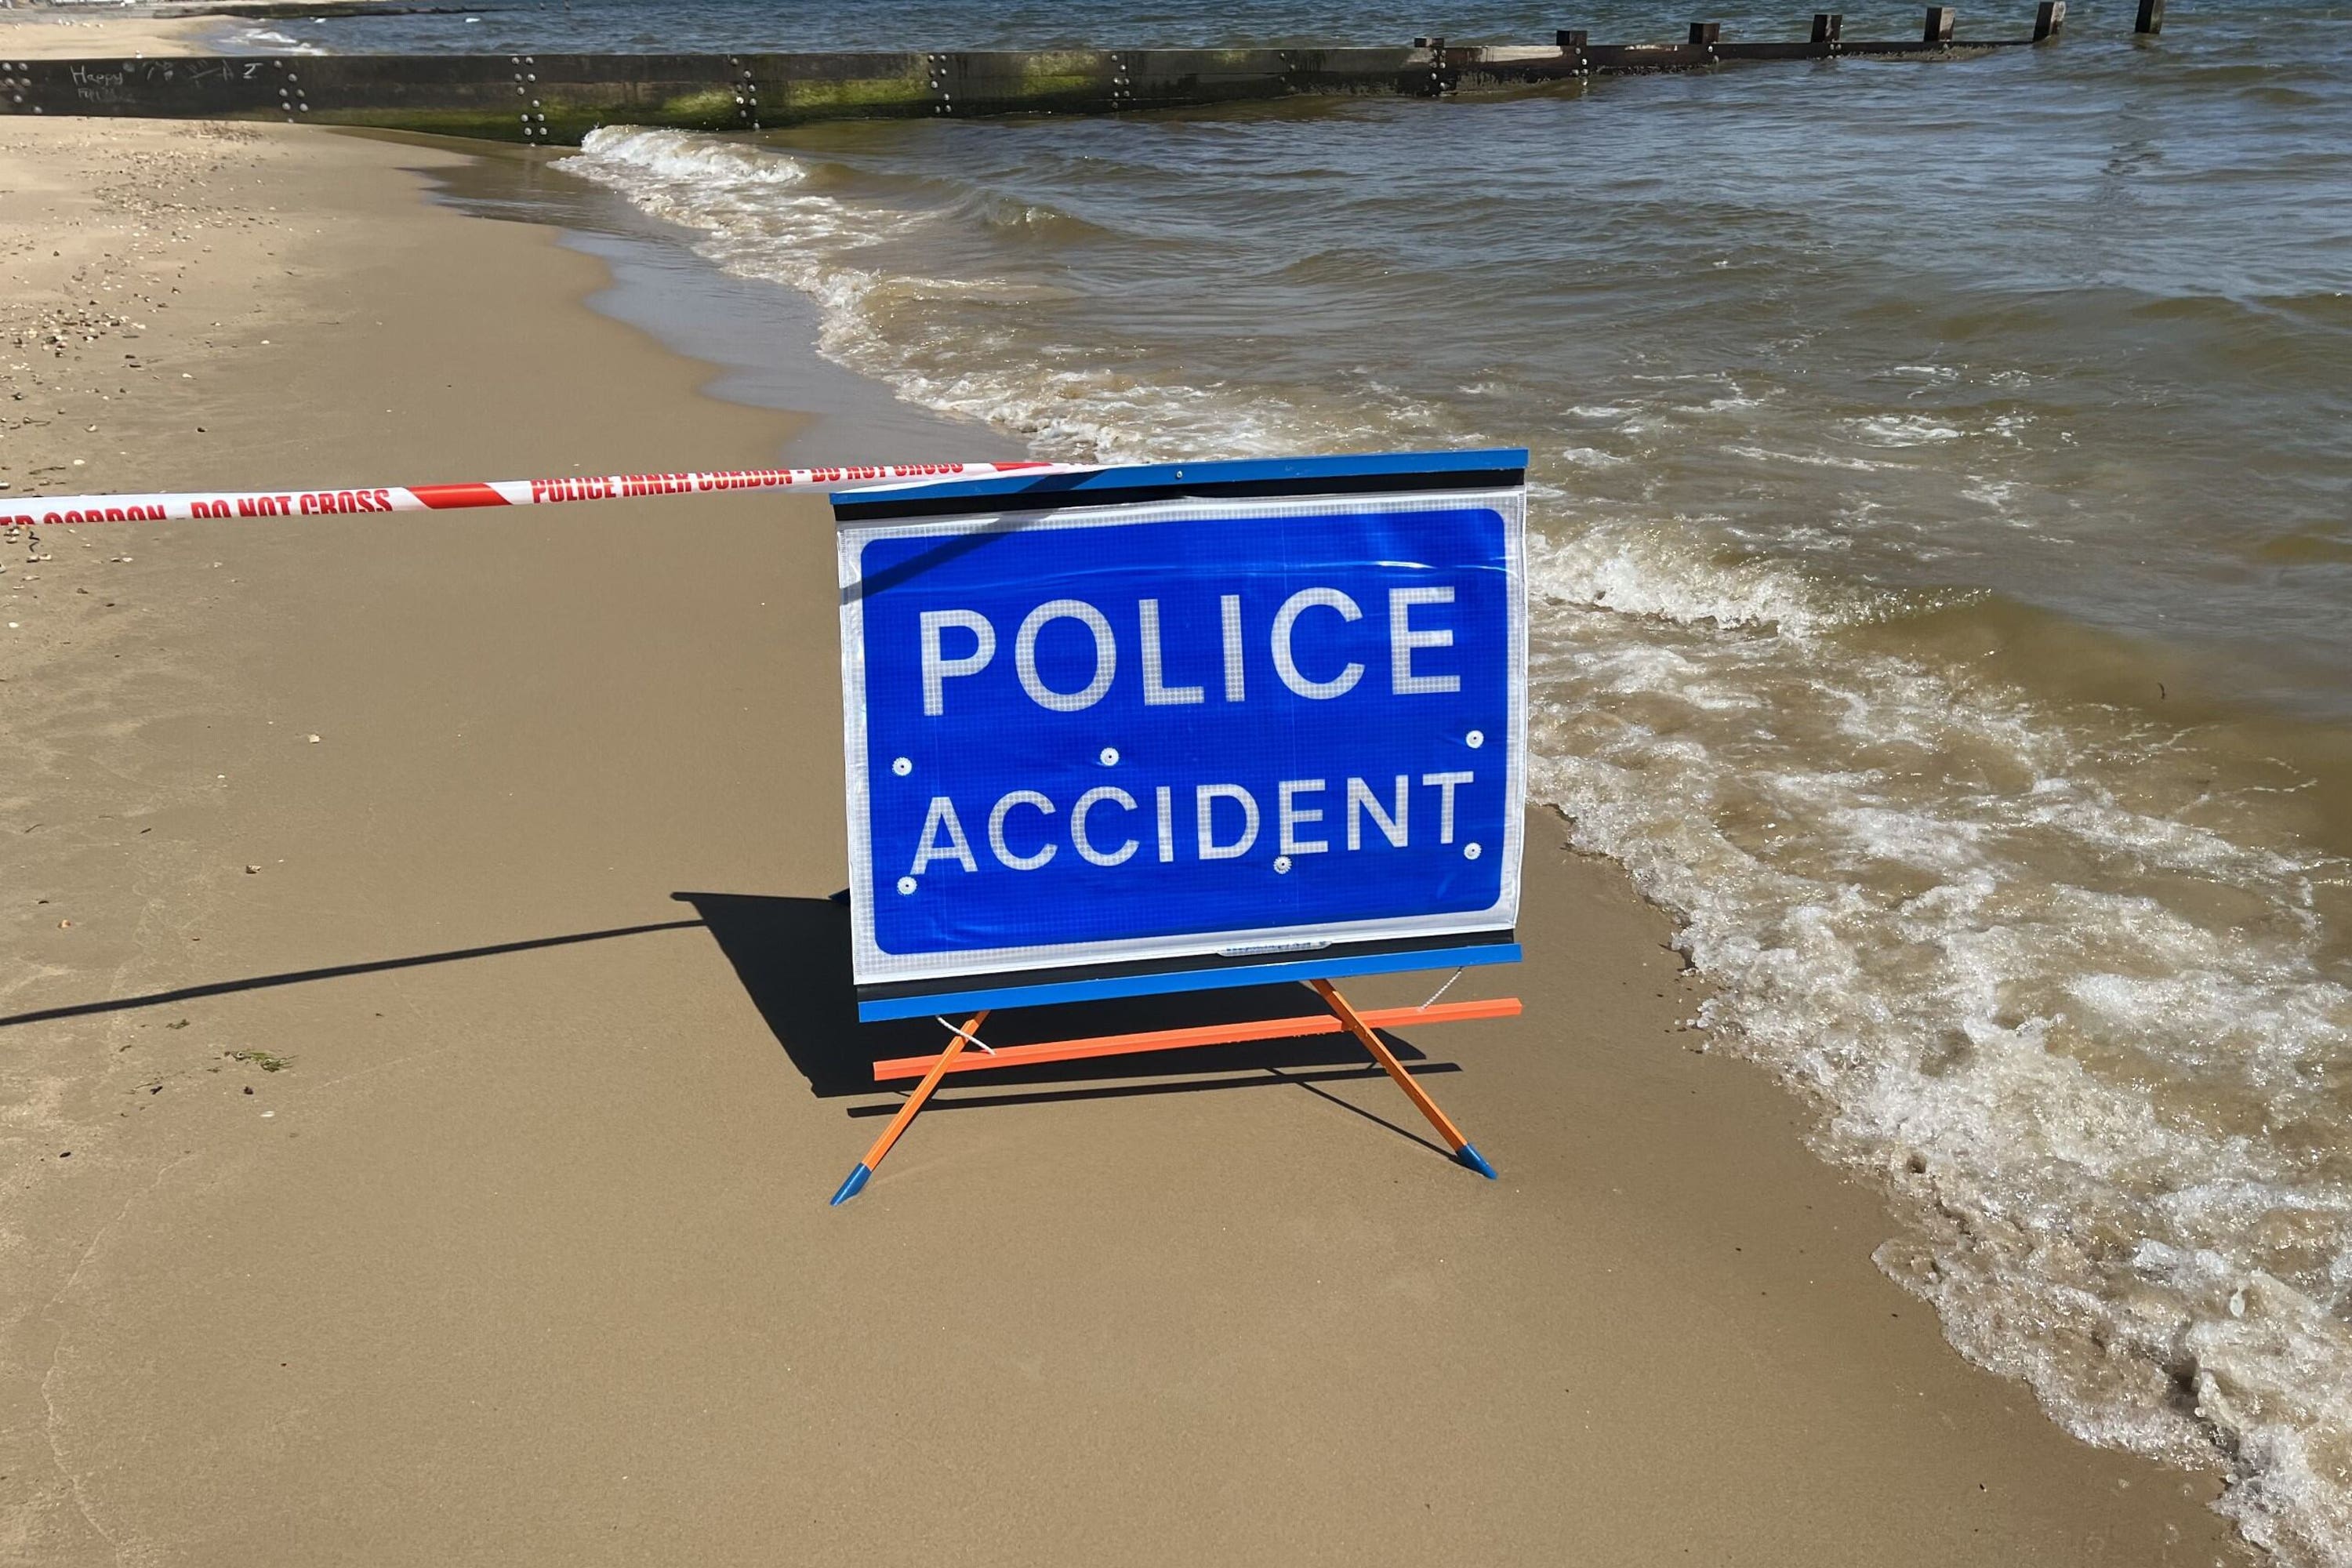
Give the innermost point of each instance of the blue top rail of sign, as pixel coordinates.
(1257, 476)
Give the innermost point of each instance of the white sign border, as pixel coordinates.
(871, 965)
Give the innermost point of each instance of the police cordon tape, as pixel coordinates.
(37, 512)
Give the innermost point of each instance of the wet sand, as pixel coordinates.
(400, 1170)
(30, 30)
(46, 33)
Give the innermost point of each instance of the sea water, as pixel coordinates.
(1943, 509)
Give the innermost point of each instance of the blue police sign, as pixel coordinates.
(1151, 727)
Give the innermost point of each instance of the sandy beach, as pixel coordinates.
(47, 33)
(428, 1054)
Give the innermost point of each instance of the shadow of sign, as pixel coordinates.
(792, 955)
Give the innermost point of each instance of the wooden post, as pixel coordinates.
(1827, 25)
(1940, 21)
(2151, 17)
(1706, 32)
(2049, 20)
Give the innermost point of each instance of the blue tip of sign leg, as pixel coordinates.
(1468, 1154)
(861, 1175)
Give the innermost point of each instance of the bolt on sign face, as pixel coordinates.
(1184, 719)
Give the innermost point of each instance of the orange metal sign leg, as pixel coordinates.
(1206, 1034)
(1464, 1150)
(1349, 1019)
(856, 1183)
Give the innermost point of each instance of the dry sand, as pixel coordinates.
(522, 1254)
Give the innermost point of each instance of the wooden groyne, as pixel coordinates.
(559, 98)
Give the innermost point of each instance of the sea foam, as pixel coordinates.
(2056, 977)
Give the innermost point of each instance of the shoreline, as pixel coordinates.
(34, 30)
(49, 33)
(579, 1188)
